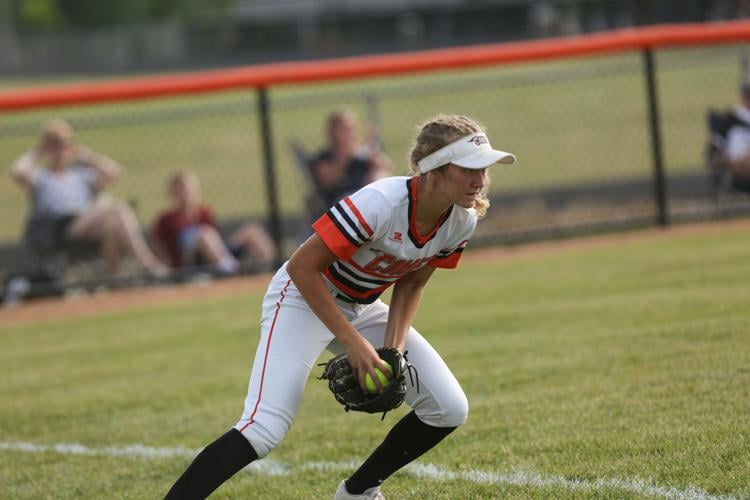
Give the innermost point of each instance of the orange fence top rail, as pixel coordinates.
(267, 75)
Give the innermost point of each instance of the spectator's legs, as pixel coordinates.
(256, 241)
(123, 227)
(741, 169)
(115, 224)
(213, 249)
(110, 251)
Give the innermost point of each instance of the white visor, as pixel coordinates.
(472, 151)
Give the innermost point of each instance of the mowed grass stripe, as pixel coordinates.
(617, 362)
(270, 467)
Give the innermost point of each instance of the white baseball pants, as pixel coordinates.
(291, 340)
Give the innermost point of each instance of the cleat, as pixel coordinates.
(369, 494)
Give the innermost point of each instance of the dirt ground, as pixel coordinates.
(44, 310)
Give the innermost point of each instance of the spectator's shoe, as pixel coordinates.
(16, 288)
(159, 271)
(369, 494)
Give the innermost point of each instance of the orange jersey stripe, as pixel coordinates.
(449, 262)
(332, 237)
(356, 212)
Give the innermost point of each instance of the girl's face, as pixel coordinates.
(463, 185)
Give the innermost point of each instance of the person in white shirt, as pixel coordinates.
(736, 150)
(64, 181)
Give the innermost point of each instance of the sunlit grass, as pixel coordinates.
(624, 361)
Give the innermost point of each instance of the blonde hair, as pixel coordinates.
(339, 116)
(183, 176)
(439, 132)
(57, 132)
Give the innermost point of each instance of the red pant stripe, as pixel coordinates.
(265, 357)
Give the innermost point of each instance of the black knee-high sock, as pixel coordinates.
(409, 439)
(215, 464)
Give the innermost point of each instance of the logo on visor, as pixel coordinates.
(478, 140)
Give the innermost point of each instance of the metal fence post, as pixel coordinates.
(660, 188)
(269, 164)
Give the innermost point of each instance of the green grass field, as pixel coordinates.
(618, 370)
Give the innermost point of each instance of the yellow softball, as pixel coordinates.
(370, 383)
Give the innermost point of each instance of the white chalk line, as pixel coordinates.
(272, 467)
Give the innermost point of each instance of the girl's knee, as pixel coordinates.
(450, 411)
(456, 411)
(123, 210)
(262, 438)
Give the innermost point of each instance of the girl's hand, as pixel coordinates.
(364, 359)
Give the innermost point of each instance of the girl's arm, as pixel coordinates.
(24, 168)
(304, 267)
(107, 169)
(407, 293)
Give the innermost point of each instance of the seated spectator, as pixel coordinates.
(736, 150)
(186, 234)
(345, 165)
(65, 181)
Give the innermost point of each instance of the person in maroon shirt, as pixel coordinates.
(186, 234)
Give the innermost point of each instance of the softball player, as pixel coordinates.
(395, 231)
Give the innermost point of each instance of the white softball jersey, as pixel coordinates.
(374, 235)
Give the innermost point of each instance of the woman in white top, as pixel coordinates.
(736, 150)
(64, 180)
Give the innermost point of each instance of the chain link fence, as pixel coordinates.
(581, 128)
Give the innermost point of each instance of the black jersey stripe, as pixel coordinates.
(450, 252)
(369, 300)
(447, 253)
(365, 278)
(341, 229)
(346, 281)
(339, 208)
(367, 297)
(343, 268)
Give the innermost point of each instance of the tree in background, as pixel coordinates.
(45, 15)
